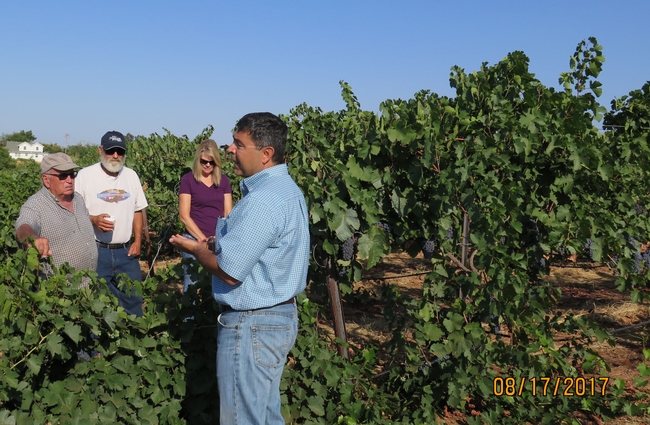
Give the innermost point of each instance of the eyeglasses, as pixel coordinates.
(64, 176)
(112, 151)
(204, 162)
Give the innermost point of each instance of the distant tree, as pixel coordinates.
(52, 148)
(20, 136)
(83, 155)
(128, 137)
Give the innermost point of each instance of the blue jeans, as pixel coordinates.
(252, 348)
(187, 279)
(112, 262)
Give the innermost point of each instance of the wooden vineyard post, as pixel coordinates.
(337, 309)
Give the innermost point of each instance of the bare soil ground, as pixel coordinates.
(587, 289)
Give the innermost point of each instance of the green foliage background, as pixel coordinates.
(525, 162)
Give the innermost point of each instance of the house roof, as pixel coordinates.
(14, 147)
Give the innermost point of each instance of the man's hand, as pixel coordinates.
(184, 244)
(25, 233)
(102, 224)
(43, 247)
(135, 249)
(206, 258)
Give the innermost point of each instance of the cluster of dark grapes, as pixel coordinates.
(347, 249)
(532, 234)
(640, 209)
(588, 247)
(630, 240)
(561, 250)
(640, 259)
(347, 252)
(83, 355)
(450, 233)
(428, 246)
(637, 266)
(387, 227)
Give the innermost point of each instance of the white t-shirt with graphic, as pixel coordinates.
(119, 196)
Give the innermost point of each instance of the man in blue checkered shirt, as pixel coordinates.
(261, 261)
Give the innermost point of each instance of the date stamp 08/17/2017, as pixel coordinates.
(559, 386)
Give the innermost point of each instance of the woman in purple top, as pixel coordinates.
(205, 195)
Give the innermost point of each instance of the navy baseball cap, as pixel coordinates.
(113, 139)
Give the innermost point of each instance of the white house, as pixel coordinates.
(26, 150)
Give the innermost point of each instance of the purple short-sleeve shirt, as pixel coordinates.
(207, 202)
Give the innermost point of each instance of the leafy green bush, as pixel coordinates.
(16, 185)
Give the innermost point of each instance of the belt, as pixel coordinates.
(112, 245)
(226, 307)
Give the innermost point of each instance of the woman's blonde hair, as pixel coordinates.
(209, 147)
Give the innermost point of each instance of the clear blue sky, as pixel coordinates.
(86, 67)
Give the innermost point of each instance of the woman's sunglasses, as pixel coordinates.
(204, 162)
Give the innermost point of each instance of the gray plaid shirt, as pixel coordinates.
(71, 236)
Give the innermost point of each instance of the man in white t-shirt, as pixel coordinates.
(115, 200)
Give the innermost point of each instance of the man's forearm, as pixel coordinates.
(137, 227)
(25, 231)
(209, 262)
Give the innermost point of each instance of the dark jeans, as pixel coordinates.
(112, 262)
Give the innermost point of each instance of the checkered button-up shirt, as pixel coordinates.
(264, 243)
(70, 235)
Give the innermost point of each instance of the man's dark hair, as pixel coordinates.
(265, 129)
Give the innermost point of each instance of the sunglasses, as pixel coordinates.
(204, 162)
(112, 151)
(64, 176)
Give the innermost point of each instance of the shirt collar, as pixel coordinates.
(250, 183)
(51, 196)
(48, 194)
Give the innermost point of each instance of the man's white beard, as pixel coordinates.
(113, 165)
